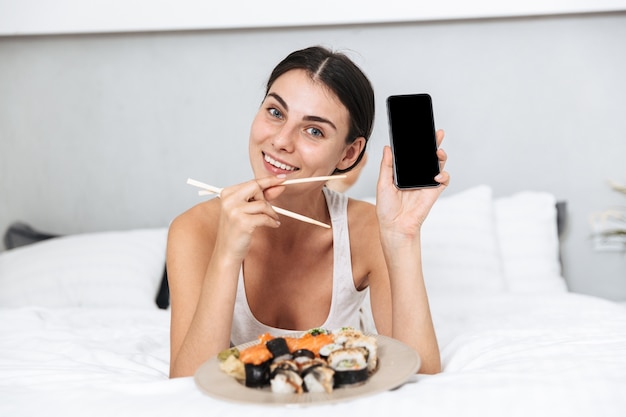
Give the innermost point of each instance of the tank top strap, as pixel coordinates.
(347, 300)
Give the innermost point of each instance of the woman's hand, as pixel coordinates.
(244, 207)
(402, 213)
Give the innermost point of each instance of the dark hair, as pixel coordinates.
(337, 72)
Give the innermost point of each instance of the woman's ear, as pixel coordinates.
(351, 153)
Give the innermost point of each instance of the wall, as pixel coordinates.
(101, 131)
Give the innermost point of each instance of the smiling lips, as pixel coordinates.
(278, 164)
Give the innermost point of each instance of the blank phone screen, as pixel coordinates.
(413, 142)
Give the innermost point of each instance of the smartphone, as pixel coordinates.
(413, 141)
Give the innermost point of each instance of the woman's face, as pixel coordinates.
(300, 130)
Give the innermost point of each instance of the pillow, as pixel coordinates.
(102, 270)
(526, 223)
(460, 250)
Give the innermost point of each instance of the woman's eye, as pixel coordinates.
(274, 112)
(313, 131)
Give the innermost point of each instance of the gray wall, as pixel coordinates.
(100, 132)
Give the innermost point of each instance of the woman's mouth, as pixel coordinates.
(278, 164)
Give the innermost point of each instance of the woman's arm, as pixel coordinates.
(401, 215)
(202, 291)
(206, 247)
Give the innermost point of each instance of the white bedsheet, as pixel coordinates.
(504, 355)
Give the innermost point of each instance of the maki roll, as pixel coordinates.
(257, 376)
(350, 366)
(256, 360)
(286, 382)
(318, 377)
(345, 334)
(285, 378)
(368, 343)
(283, 364)
(278, 348)
(302, 356)
(326, 350)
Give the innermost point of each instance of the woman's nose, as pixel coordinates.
(285, 138)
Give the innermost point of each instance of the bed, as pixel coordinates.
(82, 334)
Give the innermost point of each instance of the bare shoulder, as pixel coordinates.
(193, 231)
(363, 224)
(202, 216)
(362, 213)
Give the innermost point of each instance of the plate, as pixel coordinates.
(397, 363)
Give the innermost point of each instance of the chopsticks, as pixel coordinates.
(207, 189)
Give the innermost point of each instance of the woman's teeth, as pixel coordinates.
(277, 164)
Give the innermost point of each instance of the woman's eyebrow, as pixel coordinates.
(307, 118)
(280, 100)
(320, 120)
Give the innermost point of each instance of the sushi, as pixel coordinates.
(302, 356)
(327, 349)
(350, 338)
(318, 377)
(256, 360)
(318, 361)
(310, 341)
(256, 376)
(279, 349)
(285, 378)
(369, 343)
(350, 366)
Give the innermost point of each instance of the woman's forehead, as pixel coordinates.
(301, 93)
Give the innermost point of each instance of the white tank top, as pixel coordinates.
(346, 299)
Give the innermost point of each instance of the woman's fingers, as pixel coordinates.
(251, 198)
(443, 157)
(443, 178)
(439, 137)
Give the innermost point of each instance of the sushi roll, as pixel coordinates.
(350, 366)
(318, 377)
(369, 343)
(302, 356)
(256, 360)
(283, 364)
(286, 382)
(285, 378)
(326, 350)
(278, 348)
(303, 366)
(257, 376)
(344, 334)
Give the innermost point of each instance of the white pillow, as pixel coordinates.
(529, 242)
(460, 251)
(105, 269)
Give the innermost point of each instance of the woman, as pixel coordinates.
(237, 269)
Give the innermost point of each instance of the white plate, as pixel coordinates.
(397, 363)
